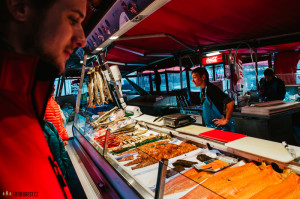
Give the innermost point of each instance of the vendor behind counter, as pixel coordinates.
(271, 87)
(213, 101)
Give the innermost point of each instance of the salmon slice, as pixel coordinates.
(289, 188)
(247, 187)
(231, 174)
(201, 192)
(185, 181)
(217, 164)
(219, 180)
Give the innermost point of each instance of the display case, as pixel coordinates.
(142, 158)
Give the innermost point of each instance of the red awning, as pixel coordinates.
(201, 24)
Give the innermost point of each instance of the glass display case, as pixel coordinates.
(152, 161)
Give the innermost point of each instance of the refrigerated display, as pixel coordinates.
(219, 72)
(155, 160)
(210, 71)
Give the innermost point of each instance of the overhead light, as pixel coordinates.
(114, 37)
(81, 62)
(98, 49)
(213, 53)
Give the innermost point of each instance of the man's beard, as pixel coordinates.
(48, 67)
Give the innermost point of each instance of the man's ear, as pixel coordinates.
(19, 9)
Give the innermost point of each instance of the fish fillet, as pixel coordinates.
(287, 189)
(247, 187)
(217, 164)
(185, 181)
(219, 180)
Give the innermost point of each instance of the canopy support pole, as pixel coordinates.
(81, 83)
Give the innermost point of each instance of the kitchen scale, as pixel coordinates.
(176, 120)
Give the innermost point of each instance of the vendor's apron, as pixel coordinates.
(211, 112)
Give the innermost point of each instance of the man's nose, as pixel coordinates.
(79, 38)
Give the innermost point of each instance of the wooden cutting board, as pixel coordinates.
(263, 148)
(223, 136)
(193, 129)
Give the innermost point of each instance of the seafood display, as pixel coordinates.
(108, 118)
(98, 90)
(192, 172)
(153, 152)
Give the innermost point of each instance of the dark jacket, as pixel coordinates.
(273, 90)
(26, 163)
(56, 146)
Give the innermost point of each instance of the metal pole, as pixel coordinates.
(61, 86)
(81, 83)
(180, 65)
(167, 80)
(256, 66)
(161, 179)
(57, 88)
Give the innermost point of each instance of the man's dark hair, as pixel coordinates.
(201, 72)
(40, 5)
(269, 72)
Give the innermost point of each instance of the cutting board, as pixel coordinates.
(223, 136)
(193, 129)
(269, 108)
(150, 119)
(263, 148)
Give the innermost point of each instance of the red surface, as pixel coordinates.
(203, 23)
(223, 136)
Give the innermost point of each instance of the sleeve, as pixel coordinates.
(59, 152)
(59, 122)
(218, 95)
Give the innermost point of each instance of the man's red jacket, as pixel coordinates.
(26, 164)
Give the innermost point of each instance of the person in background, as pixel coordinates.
(53, 115)
(36, 39)
(271, 87)
(213, 101)
(56, 146)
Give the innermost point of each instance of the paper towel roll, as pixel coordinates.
(135, 110)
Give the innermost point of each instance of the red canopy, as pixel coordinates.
(189, 25)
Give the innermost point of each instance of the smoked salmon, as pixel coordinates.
(289, 188)
(212, 185)
(185, 181)
(247, 187)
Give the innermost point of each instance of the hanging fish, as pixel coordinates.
(100, 87)
(96, 94)
(91, 91)
(106, 89)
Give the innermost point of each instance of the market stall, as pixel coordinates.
(143, 155)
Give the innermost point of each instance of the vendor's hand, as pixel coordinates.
(65, 142)
(220, 122)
